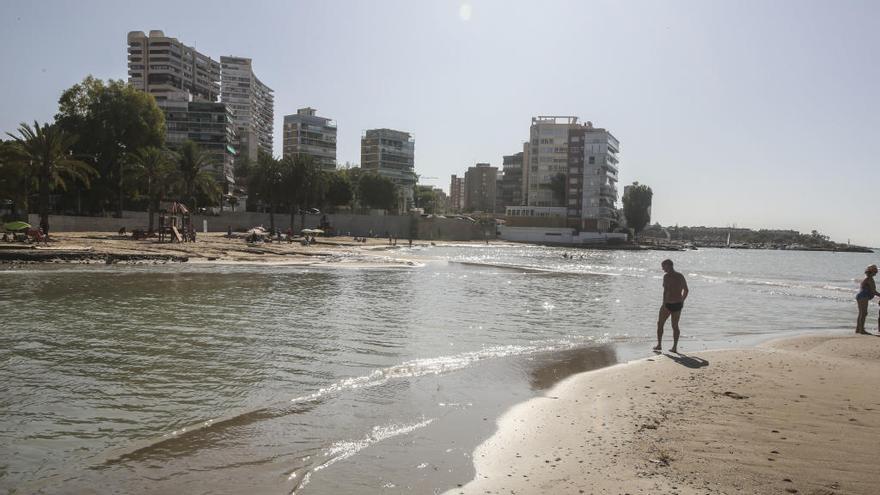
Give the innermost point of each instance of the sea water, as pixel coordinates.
(210, 378)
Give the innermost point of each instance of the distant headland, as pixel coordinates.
(743, 238)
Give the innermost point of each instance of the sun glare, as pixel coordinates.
(465, 11)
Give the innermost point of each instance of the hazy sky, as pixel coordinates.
(754, 113)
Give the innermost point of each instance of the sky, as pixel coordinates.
(760, 114)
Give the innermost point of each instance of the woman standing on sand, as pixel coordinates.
(867, 292)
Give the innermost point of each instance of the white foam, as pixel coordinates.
(437, 365)
(342, 450)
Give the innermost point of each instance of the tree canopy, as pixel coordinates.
(557, 188)
(46, 150)
(109, 120)
(154, 170)
(637, 206)
(377, 192)
(15, 177)
(339, 190)
(193, 178)
(426, 198)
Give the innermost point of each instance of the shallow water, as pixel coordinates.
(222, 379)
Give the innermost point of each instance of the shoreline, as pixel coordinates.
(216, 248)
(791, 415)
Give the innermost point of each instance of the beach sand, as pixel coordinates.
(101, 247)
(800, 415)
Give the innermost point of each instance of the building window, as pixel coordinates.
(592, 160)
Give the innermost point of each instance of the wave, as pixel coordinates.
(785, 284)
(187, 438)
(342, 450)
(533, 269)
(440, 365)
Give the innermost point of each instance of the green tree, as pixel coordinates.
(637, 206)
(377, 192)
(353, 176)
(557, 188)
(265, 183)
(153, 169)
(46, 149)
(111, 120)
(305, 185)
(317, 184)
(293, 184)
(339, 189)
(15, 177)
(193, 176)
(426, 198)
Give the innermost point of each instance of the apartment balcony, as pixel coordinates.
(610, 166)
(610, 191)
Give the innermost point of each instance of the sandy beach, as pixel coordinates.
(101, 247)
(800, 415)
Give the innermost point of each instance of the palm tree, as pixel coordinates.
(153, 169)
(46, 149)
(193, 176)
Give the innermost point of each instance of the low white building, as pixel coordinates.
(557, 235)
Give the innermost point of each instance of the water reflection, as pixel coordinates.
(550, 369)
(110, 358)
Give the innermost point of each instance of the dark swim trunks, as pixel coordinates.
(674, 307)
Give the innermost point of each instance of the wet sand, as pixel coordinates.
(101, 247)
(800, 415)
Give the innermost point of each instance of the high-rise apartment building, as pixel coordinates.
(510, 193)
(391, 153)
(591, 188)
(252, 104)
(479, 188)
(186, 85)
(168, 69)
(456, 194)
(570, 172)
(208, 124)
(308, 134)
(548, 160)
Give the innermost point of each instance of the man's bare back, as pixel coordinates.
(674, 285)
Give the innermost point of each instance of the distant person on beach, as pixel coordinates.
(867, 291)
(675, 291)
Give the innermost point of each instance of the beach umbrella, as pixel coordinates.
(16, 226)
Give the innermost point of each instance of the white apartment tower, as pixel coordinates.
(570, 170)
(547, 158)
(252, 104)
(591, 185)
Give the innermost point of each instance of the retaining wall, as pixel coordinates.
(358, 225)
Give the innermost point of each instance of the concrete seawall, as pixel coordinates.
(446, 229)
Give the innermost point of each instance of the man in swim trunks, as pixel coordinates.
(675, 291)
